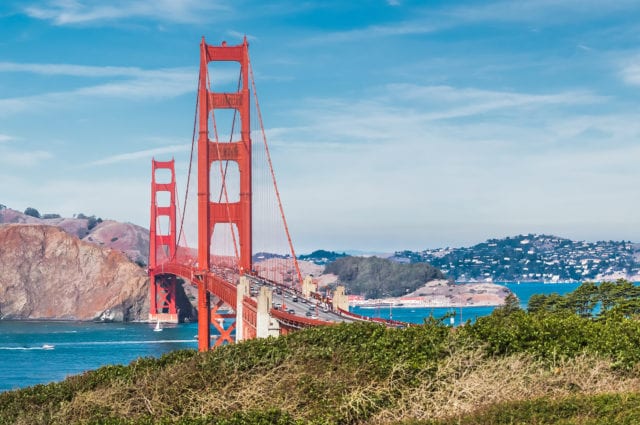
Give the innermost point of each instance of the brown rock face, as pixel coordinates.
(46, 273)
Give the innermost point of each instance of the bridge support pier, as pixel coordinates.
(266, 326)
(340, 300)
(204, 316)
(243, 291)
(308, 286)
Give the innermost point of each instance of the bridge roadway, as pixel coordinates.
(289, 306)
(292, 302)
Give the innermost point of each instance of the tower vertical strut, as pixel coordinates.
(212, 213)
(162, 243)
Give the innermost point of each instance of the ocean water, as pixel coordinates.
(523, 291)
(81, 346)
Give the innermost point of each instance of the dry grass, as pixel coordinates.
(322, 375)
(468, 381)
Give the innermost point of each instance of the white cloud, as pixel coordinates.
(630, 71)
(75, 12)
(145, 154)
(5, 138)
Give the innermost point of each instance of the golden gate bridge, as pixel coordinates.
(221, 264)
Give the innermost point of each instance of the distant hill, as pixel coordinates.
(322, 257)
(533, 258)
(128, 238)
(376, 277)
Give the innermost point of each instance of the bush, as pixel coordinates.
(32, 212)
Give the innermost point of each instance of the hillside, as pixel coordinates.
(510, 367)
(533, 258)
(128, 238)
(376, 277)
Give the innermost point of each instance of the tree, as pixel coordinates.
(32, 212)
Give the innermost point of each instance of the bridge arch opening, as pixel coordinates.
(224, 76)
(162, 175)
(223, 238)
(226, 172)
(226, 123)
(163, 198)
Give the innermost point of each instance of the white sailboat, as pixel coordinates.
(158, 328)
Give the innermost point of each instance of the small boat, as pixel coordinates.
(47, 347)
(158, 328)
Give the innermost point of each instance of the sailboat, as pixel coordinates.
(158, 328)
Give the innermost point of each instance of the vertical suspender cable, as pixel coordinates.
(273, 176)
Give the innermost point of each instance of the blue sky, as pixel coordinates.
(393, 124)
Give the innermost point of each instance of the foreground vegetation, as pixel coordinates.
(548, 366)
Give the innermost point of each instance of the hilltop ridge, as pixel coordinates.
(131, 239)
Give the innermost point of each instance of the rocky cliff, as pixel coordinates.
(46, 273)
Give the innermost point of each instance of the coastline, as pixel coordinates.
(400, 303)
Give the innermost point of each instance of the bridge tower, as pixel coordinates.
(162, 246)
(217, 211)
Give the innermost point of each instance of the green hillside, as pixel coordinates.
(507, 368)
(376, 277)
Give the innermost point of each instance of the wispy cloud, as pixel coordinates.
(145, 154)
(75, 12)
(544, 12)
(412, 110)
(122, 82)
(412, 27)
(72, 70)
(13, 158)
(431, 19)
(240, 35)
(5, 138)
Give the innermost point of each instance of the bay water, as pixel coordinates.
(34, 352)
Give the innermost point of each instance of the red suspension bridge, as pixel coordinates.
(234, 294)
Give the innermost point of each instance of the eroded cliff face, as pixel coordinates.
(46, 273)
